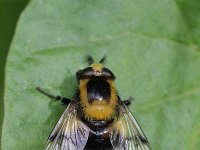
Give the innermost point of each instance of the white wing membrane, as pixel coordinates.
(126, 134)
(69, 133)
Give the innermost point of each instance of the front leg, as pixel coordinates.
(64, 100)
(128, 101)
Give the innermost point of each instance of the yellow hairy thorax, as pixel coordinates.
(98, 109)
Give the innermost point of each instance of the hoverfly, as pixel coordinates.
(96, 117)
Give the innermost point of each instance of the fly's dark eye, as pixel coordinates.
(78, 74)
(85, 73)
(90, 73)
(108, 74)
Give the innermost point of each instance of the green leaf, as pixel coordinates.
(152, 47)
(7, 26)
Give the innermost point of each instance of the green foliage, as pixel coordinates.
(9, 13)
(152, 47)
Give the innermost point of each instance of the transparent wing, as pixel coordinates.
(127, 134)
(69, 133)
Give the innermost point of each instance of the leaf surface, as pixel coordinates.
(152, 47)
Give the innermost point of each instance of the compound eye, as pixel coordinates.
(78, 73)
(85, 73)
(107, 73)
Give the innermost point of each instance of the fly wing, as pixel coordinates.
(126, 134)
(69, 133)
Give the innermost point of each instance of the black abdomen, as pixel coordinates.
(98, 143)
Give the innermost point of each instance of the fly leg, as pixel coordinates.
(64, 100)
(128, 101)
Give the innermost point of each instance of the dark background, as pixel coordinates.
(10, 11)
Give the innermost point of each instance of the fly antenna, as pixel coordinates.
(102, 61)
(90, 60)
